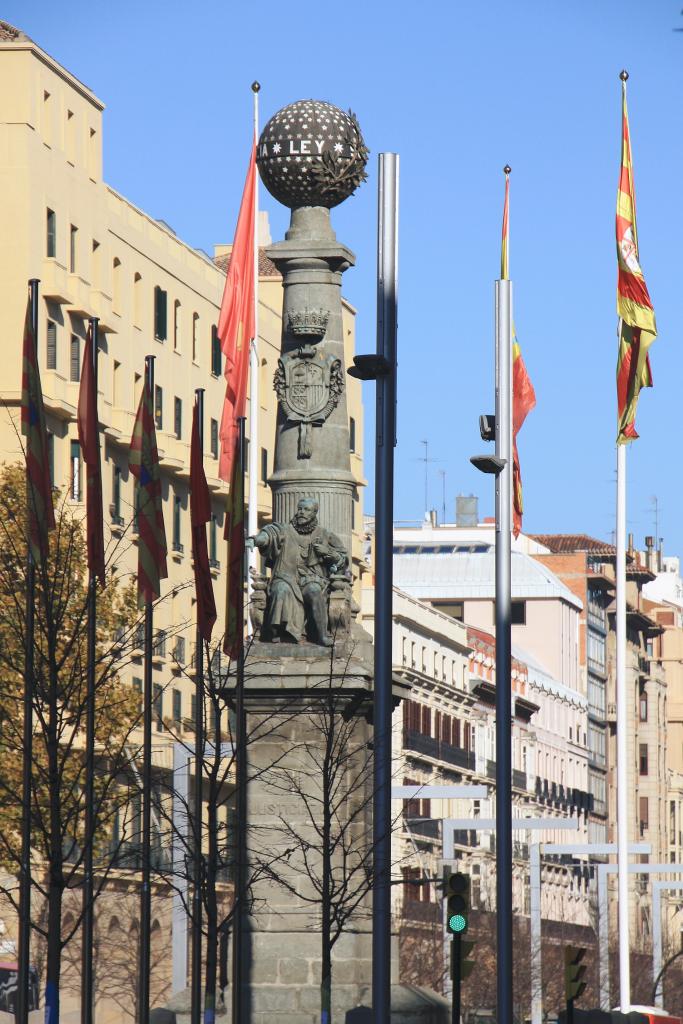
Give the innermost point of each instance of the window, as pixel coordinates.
(455, 609)
(264, 465)
(96, 257)
(73, 248)
(158, 407)
(116, 516)
(178, 417)
(160, 313)
(75, 472)
(137, 300)
(115, 376)
(177, 509)
(51, 456)
(51, 250)
(75, 359)
(159, 646)
(195, 332)
(215, 352)
(352, 434)
(642, 759)
(116, 285)
(158, 707)
(179, 650)
(518, 613)
(176, 326)
(213, 543)
(214, 439)
(642, 706)
(51, 346)
(177, 706)
(643, 814)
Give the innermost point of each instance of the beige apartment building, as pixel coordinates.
(96, 254)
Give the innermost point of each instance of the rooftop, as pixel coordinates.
(266, 267)
(469, 575)
(566, 543)
(10, 34)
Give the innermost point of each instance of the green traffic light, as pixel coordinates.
(457, 923)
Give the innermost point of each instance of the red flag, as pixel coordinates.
(234, 531)
(88, 436)
(41, 515)
(144, 465)
(236, 323)
(200, 514)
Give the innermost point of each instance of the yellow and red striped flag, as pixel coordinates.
(523, 394)
(144, 465)
(637, 328)
(41, 515)
(88, 437)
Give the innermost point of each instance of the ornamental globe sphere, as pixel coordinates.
(312, 154)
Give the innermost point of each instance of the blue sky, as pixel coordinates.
(457, 89)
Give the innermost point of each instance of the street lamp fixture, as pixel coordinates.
(488, 464)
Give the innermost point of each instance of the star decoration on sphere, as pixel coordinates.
(312, 153)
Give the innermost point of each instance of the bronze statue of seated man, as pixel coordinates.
(302, 555)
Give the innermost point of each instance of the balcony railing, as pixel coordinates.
(518, 779)
(424, 827)
(438, 749)
(490, 769)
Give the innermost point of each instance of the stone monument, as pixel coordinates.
(308, 652)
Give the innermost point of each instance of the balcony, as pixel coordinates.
(440, 751)
(518, 779)
(128, 857)
(490, 769)
(427, 827)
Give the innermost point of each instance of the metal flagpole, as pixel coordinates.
(503, 651)
(622, 739)
(387, 295)
(145, 891)
(88, 934)
(196, 982)
(254, 366)
(239, 1010)
(24, 951)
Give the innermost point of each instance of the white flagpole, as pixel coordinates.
(622, 740)
(254, 368)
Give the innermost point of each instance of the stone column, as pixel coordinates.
(312, 441)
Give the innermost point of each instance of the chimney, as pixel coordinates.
(466, 510)
(433, 518)
(650, 555)
(660, 555)
(630, 544)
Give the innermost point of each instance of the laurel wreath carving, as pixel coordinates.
(338, 178)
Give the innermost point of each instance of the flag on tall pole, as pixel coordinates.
(41, 516)
(523, 394)
(88, 436)
(637, 328)
(144, 465)
(200, 514)
(236, 323)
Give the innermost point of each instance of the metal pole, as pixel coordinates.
(657, 953)
(456, 960)
(145, 890)
(88, 934)
(622, 740)
(24, 951)
(503, 652)
(238, 957)
(387, 296)
(535, 933)
(196, 983)
(254, 366)
(603, 938)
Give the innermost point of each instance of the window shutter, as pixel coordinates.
(75, 375)
(160, 313)
(51, 350)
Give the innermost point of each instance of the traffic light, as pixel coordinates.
(457, 896)
(574, 970)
